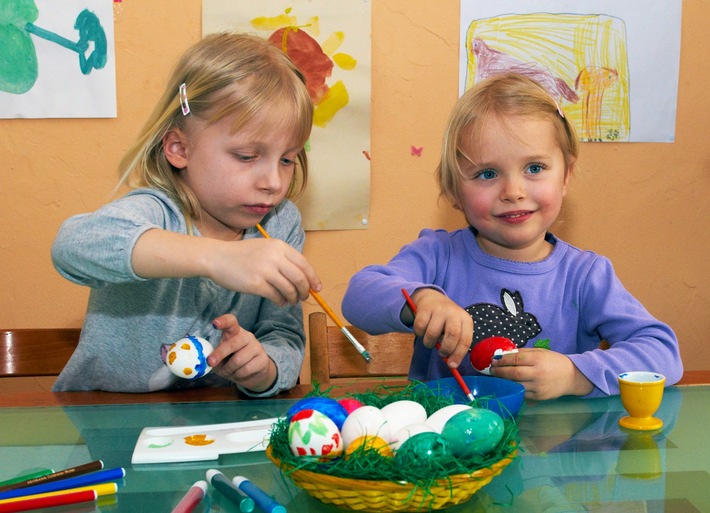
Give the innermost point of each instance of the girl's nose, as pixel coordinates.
(513, 189)
(270, 178)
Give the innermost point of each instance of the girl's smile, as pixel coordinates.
(514, 179)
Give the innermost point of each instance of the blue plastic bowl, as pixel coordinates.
(502, 396)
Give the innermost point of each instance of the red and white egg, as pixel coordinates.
(312, 433)
(483, 352)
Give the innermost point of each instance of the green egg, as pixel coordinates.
(424, 450)
(473, 432)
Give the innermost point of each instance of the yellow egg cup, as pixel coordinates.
(641, 394)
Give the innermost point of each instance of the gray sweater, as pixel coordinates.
(129, 318)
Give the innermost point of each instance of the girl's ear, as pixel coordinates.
(174, 148)
(568, 174)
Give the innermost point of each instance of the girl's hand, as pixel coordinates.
(268, 268)
(545, 374)
(439, 319)
(240, 357)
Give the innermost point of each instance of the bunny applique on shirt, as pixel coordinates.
(511, 321)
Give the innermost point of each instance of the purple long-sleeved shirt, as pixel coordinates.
(572, 299)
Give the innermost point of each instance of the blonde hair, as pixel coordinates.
(225, 74)
(507, 94)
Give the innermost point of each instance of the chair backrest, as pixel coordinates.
(333, 356)
(36, 352)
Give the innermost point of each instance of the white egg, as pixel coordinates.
(366, 420)
(403, 413)
(407, 432)
(187, 358)
(440, 417)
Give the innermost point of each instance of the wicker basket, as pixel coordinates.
(384, 496)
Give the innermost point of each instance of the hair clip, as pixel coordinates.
(182, 94)
(559, 110)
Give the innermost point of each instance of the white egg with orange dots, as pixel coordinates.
(187, 358)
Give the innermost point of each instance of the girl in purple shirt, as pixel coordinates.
(507, 157)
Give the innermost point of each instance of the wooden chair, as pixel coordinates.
(333, 356)
(36, 352)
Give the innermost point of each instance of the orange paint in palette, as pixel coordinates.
(198, 440)
(200, 443)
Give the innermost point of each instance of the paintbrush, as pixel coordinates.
(357, 345)
(455, 372)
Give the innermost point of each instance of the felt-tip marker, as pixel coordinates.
(192, 498)
(262, 499)
(101, 476)
(225, 486)
(79, 470)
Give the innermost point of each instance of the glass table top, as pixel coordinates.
(574, 456)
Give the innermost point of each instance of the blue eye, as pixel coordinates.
(245, 158)
(287, 162)
(486, 174)
(535, 169)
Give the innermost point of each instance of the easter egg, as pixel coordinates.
(350, 404)
(187, 358)
(401, 413)
(327, 406)
(366, 420)
(405, 433)
(311, 433)
(368, 443)
(424, 450)
(441, 416)
(483, 352)
(472, 432)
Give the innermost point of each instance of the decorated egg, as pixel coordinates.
(327, 406)
(472, 432)
(424, 450)
(350, 404)
(187, 358)
(441, 416)
(366, 420)
(403, 434)
(483, 352)
(311, 433)
(401, 413)
(368, 443)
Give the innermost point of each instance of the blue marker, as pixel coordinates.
(262, 499)
(225, 486)
(102, 476)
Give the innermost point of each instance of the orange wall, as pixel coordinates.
(642, 205)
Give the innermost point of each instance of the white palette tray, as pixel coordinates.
(198, 443)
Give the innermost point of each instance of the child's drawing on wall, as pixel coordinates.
(315, 61)
(34, 43)
(612, 66)
(580, 59)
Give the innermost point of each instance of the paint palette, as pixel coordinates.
(198, 443)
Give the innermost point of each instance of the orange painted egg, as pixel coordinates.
(368, 443)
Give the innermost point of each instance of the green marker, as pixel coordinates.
(27, 477)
